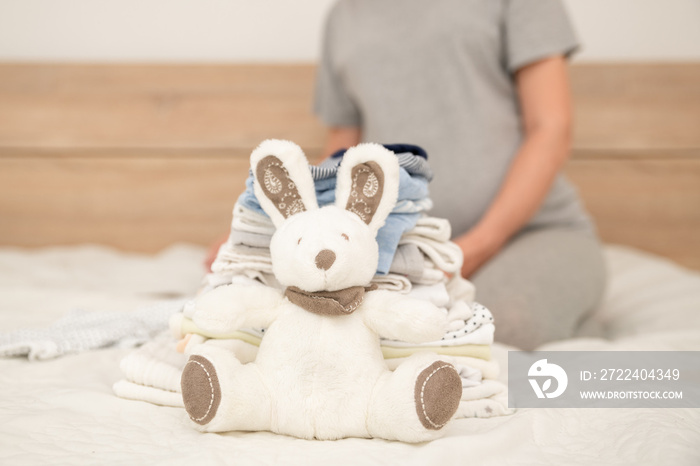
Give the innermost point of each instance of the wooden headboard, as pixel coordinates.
(140, 157)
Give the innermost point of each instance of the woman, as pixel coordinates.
(482, 85)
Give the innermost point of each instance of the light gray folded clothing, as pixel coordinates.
(81, 331)
(437, 229)
(241, 267)
(392, 282)
(245, 219)
(241, 259)
(446, 255)
(252, 252)
(247, 238)
(408, 260)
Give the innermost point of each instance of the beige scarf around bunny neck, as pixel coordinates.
(328, 303)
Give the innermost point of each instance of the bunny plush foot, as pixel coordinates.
(415, 402)
(221, 394)
(201, 391)
(437, 393)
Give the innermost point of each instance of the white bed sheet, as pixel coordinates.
(63, 411)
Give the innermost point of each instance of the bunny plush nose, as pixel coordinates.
(325, 259)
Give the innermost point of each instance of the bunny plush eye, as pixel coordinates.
(345, 237)
(299, 242)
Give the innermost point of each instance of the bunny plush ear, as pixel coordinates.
(368, 183)
(282, 180)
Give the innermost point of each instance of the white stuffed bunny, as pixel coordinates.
(319, 372)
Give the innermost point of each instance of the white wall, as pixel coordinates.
(289, 30)
(161, 30)
(637, 30)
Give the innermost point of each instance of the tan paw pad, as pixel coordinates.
(201, 392)
(437, 394)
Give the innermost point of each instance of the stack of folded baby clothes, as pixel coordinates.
(247, 250)
(416, 257)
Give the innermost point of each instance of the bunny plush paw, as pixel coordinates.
(414, 403)
(221, 394)
(219, 310)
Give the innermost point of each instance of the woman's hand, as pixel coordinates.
(478, 247)
(213, 251)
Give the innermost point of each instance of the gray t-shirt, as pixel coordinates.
(439, 74)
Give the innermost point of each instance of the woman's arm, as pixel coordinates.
(545, 102)
(340, 137)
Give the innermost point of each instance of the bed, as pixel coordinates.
(63, 410)
(141, 157)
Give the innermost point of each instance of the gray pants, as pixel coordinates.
(541, 285)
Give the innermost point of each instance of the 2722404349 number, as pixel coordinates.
(639, 374)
